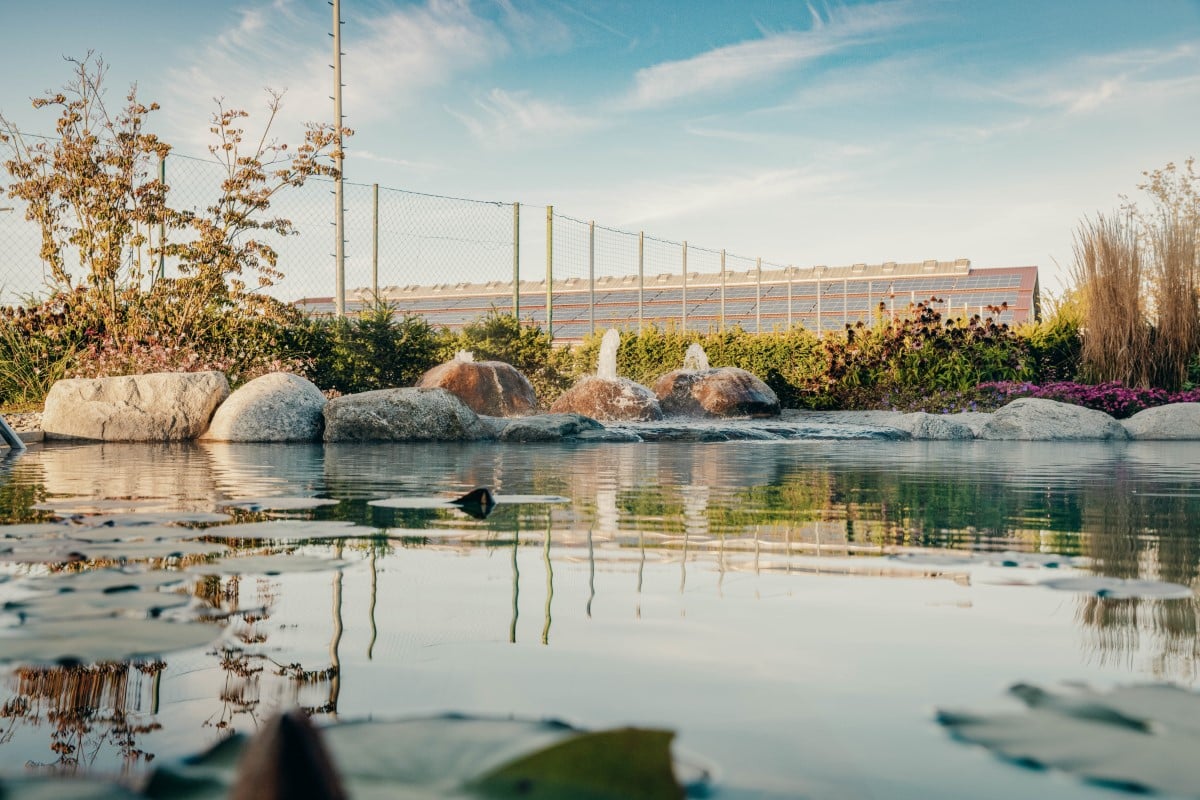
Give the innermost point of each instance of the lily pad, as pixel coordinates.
(454, 757)
(267, 565)
(67, 506)
(1140, 738)
(36, 530)
(95, 605)
(66, 551)
(1007, 558)
(105, 580)
(91, 640)
(280, 503)
(1121, 588)
(292, 530)
(440, 501)
(150, 518)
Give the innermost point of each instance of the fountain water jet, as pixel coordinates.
(605, 396)
(695, 359)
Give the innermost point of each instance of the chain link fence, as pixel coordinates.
(453, 259)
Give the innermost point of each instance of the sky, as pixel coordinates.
(804, 132)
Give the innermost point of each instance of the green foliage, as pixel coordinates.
(1055, 342)
(899, 363)
(37, 346)
(373, 350)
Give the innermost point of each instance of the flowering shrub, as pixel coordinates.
(1112, 398)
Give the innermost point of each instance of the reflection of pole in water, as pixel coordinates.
(335, 683)
(591, 574)
(721, 567)
(641, 570)
(549, 584)
(371, 611)
(516, 593)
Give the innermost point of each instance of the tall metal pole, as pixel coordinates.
(339, 215)
(641, 274)
(722, 290)
(789, 285)
(684, 316)
(758, 295)
(517, 260)
(375, 242)
(550, 271)
(162, 226)
(592, 276)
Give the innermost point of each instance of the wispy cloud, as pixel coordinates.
(725, 68)
(705, 193)
(503, 118)
(390, 61)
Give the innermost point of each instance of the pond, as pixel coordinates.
(798, 612)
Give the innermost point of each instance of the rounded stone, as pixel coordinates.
(718, 392)
(277, 407)
(609, 399)
(492, 388)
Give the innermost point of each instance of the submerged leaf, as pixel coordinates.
(1141, 738)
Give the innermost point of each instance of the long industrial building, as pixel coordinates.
(821, 299)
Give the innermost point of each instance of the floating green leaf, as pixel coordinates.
(279, 503)
(267, 565)
(150, 518)
(95, 605)
(1140, 738)
(1121, 588)
(441, 501)
(292, 530)
(91, 640)
(105, 580)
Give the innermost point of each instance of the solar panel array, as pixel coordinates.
(704, 305)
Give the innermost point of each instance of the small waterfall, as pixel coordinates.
(464, 355)
(695, 358)
(607, 364)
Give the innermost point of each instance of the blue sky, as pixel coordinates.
(807, 133)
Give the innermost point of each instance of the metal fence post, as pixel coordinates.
(592, 276)
(162, 225)
(516, 260)
(641, 274)
(684, 305)
(818, 308)
(550, 271)
(758, 295)
(789, 295)
(375, 241)
(339, 254)
(722, 290)
(845, 302)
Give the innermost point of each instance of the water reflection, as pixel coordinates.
(733, 509)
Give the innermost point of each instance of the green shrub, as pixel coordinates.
(373, 350)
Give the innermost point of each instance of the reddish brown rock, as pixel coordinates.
(720, 392)
(609, 399)
(492, 388)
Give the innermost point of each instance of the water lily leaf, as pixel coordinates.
(441, 501)
(36, 530)
(293, 530)
(63, 789)
(1008, 558)
(267, 565)
(135, 533)
(628, 763)
(1141, 738)
(105, 580)
(279, 503)
(95, 605)
(150, 518)
(91, 640)
(460, 757)
(1121, 588)
(68, 506)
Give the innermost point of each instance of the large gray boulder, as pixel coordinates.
(1036, 419)
(609, 399)
(277, 407)
(559, 428)
(1174, 421)
(493, 388)
(402, 415)
(719, 392)
(935, 426)
(163, 406)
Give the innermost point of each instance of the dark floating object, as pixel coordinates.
(1135, 738)
(286, 761)
(478, 503)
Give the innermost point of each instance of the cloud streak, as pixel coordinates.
(725, 68)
